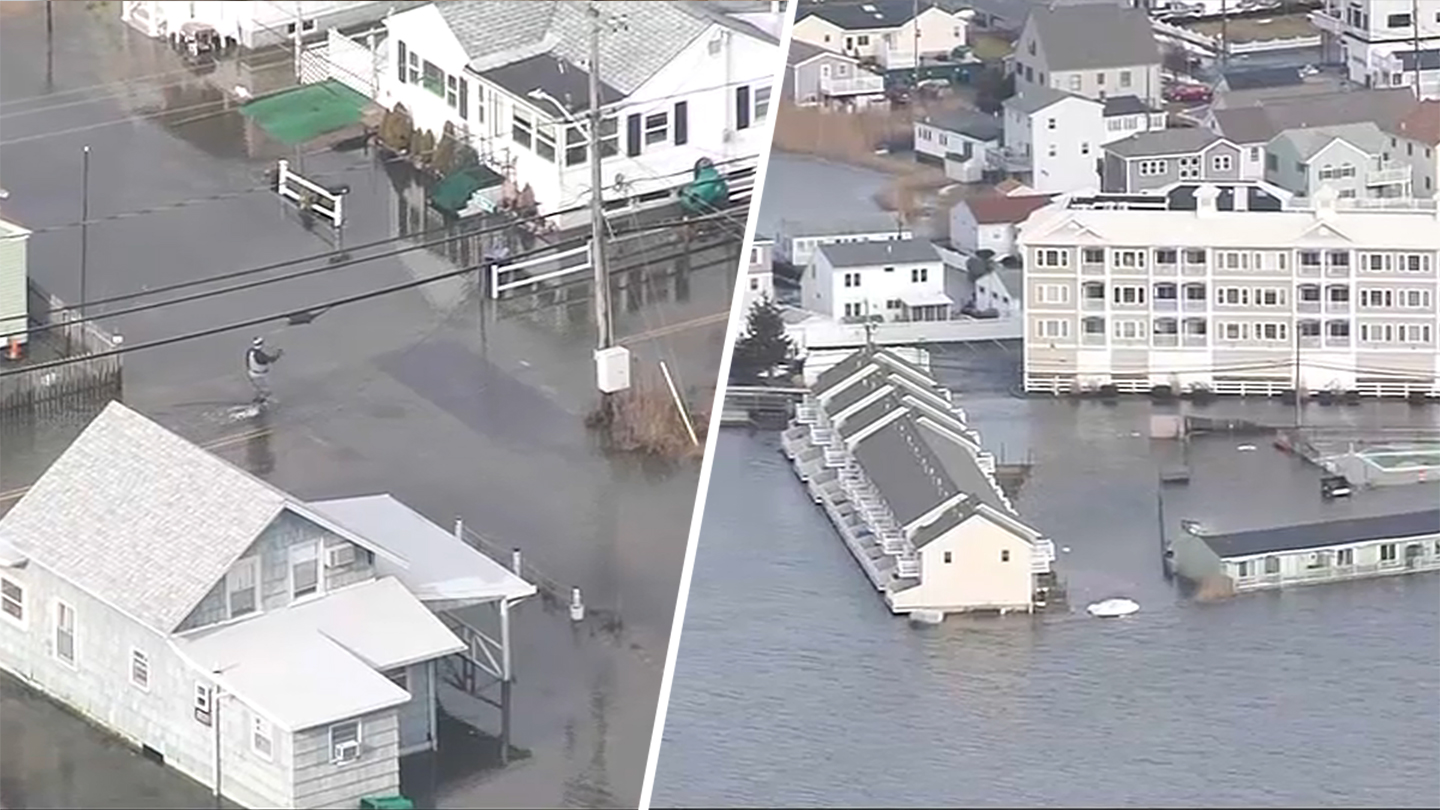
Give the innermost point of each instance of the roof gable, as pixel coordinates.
(1092, 36)
(866, 16)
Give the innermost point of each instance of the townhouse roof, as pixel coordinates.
(861, 16)
(1263, 120)
(1300, 537)
(1175, 141)
(873, 254)
(878, 222)
(1092, 36)
(1421, 124)
(146, 521)
(996, 209)
(970, 123)
(1309, 141)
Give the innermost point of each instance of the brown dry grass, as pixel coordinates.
(644, 420)
(1213, 589)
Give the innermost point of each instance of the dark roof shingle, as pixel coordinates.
(1092, 36)
(1329, 533)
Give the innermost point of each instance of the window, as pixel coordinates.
(949, 558)
(1128, 329)
(65, 633)
(262, 739)
(1165, 291)
(743, 108)
(854, 310)
(140, 670)
(1093, 256)
(1004, 555)
(657, 128)
(852, 279)
(1130, 258)
(1125, 78)
(1195, 256)
(762, 103)
(1052, 329)
(1189, 167)
(399, 677)
(1222, 163)
(754, 284)
(1194, 292)
(1272, 564)
(412, 65)
(1309, 258)
(545, 140)
(1338, 329)
(1397, 21)
(1052, 258)
(304, 569)
(1338, 294)
(1074, 86)
(1166, 256)
(242, 587)
(1387, 552)
(1054, 293)
(1345, 556)
(682, 123)
(204, 696)
(402, 60)
(522, 128)
(1129, 295)
(919, 275)
(345, 741)
(577, 149)
(1414, 299)
(609, 136)
(433, 79)
(1242, 569)
(1375, 298)
(12, 600)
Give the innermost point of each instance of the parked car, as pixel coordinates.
(1189, 93)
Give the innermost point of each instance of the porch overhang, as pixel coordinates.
(925, 298)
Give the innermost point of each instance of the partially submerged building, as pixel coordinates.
(911, 491)
(1303, 554)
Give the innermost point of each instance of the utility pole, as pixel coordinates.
(49, 45)
(597, 200)
(84, 229)
(1224, 36)
(915, 44)
(1299, 403)
(299, 25)
(1415, 43)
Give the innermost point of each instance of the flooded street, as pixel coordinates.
(459, 406)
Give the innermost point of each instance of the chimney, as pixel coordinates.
(1205, 200)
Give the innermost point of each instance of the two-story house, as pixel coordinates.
(759, 273)
(256, 25)
(888, 31)
(679, 81)
(1096, 50)
(1354, 159)
(1384, 43)
(1054, 139)
(281, 652)
(1415, 139)
(991, 222)
(814, 75)
(881, 281)
(1154, 160)
(966, 142)
(798, 240)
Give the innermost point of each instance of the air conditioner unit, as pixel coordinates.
(347, 751)
(339, 556)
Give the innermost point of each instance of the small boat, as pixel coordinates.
(1113, 608)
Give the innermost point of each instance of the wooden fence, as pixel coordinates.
(86, 382)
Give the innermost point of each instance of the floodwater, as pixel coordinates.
(808, 189)
(460, 408)
(807, 692)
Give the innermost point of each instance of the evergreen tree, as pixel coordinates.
(764, 344)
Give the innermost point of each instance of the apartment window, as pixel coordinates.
(1195, 257)
(1270, 297)
(1415, 299)
(854, 309)
(1004, 555)
(609, 136)
(452, 92)
(682, 123)
(754, 284)
(1166, 256)
(1272, 331)
(1126, 78)
(1397, 21)
(1309, 258)
(203, 698)
(1054, 293)
(1309, 293)
(522, 128)
(894, 303)
(1052, 151)
(304, 569)
(1222, 163)
(1387, 552)
(1414, 333)
(65, 633)
(1050, 257)
(402, 59)
(1093, 326)
(545, 140)
(1242, 569)
(762, 103)
(919, 275)
(1100, 79)
(1189, 167)
(1377, 298)
(305, 25)
(140, 670)
(12, 600)
(1128, 329)
(242, 587)
(1194, 292)
(657, 128)
(345, 741)
(1338, 329)
(1309, 328)
(852, 279)
(1338, 258)
(1232, 296)
(1130, 258)
(1052, 329)
(1152, 168)
(262, 738)
(1093, 256)
(1338, 294)
(1416, 263)
(949, 558)
(1166, 326)
(1254, 154)
(1345, 556)
(1232, 331)
(1129, 295)
(1272, 564)
(1074, 86)
(1165, 291)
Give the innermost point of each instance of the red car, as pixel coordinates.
(1188, 93)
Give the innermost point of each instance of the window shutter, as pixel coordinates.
(463, 90)
(402, 56)
(632, 135)
(682, 123)
(742, 107)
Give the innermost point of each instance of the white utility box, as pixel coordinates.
(14, 284)
(612, 369)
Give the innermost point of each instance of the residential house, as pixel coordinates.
(814, 75)
(1054, 139)
(1415, 139)
(1354, 159)
(284, 653)
(1096, 50)
(1128, 115)
(991, 222)
(887, 31)
(996, 291)
(681, 81)
(14, 283)
(255, 25)
(759, 273)
(1192, 293)
(1384, 43)
(1244, 87)
(1333, 550)
(1252, 127)
(967, 143)
(912, 493)
(798, 240)
(1154, 160)
(880, 281)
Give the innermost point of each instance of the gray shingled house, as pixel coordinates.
(1154, 160)
(284, 651)
(1096, 50)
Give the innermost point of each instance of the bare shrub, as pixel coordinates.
(644, 420)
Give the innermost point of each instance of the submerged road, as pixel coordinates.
(457, 406)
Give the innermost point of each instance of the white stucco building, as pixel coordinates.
(680, 82)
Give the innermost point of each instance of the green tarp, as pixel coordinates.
(304, 113)
(452, 194)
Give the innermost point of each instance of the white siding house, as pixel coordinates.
(1096, 50)
(966, 143)
(883, 281)
(992, 222)
(237, 634)
(759, 273)
(680, 82)
(1416, 141)
(798, 241)
(884, 30)
(14, 282)
(1054, 138)
(254, 25)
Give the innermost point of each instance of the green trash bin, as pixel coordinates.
(386, 803)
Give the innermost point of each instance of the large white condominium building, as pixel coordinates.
(1193, 291)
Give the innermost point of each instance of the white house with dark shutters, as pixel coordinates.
(284, 652)
(680, 81)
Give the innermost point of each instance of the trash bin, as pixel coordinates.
(386, 803)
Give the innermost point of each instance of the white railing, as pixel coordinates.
(1277, 44)
(868, 84)
(1388, 174)
(908, 567)
(1043, 557)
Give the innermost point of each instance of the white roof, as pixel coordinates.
(440, 567)
(144, 520)
(1414, 228)
(319, 661)
(925, 298)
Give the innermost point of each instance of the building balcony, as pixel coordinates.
(1193, 270)
(1337, 271)
(1388, 174)
(1337, 342)
(1308, 307)
(1310, 341)
(1134, 306)
(1193, 305)
(1092, 339)
(1015, 160)
(1163, 340)
(1092, 269)
(1166, 305)
(1337, 308)
(1092, 304)
(1308, 270)
(867, 84)
(1166, 270)
(1194, 341)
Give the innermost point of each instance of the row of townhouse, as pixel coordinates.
(680, 81)
(1231, 290)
